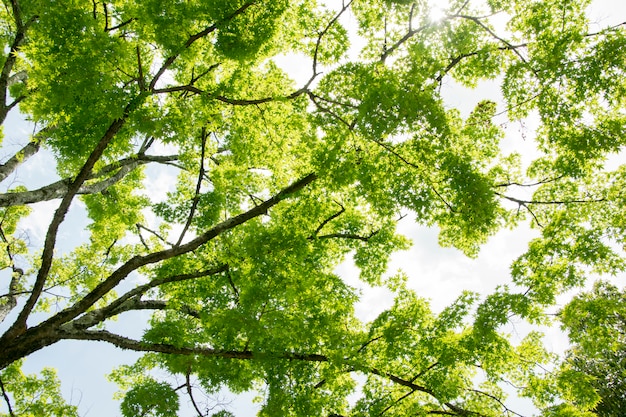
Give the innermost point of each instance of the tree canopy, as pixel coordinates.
(277, 183)
(596, 322)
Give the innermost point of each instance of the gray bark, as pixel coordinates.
(59, 189)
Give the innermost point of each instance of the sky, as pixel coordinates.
(434, 272)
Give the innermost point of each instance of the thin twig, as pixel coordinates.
(170, 60)
(329, 219)
(196, 197)
(344, 7)
(6, 398)
(555, 202)
(499, 401)
(190, 393)
(161, 238)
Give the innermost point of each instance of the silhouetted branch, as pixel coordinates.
(7, 400)
(326, 221)
(196, 197)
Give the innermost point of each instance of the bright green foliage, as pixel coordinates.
(150, 399)
(12, 244)
(595, 324)
(222, 195)
(33, 395)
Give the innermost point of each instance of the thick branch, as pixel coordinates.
(139, 346)
(126, 303)
(163, 305)
(30, 149)
(19, 326)
(11, 297)
(127, 343)
(6, 306)
(232, 101)
(138, 261)
(21, 341)
(60, 188)
(142, 346)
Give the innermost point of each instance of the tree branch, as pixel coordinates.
(508, 45)
(232, 101)
(507, 410)
(456, 60)
(326, 110)
(121, 25)
(345, 6)
(126, 301)
(190, 393)
(314, 96)
(140, 346)
(411, 32)
(170, 60)
(196, 197)
(137, 304)
(403, 382)
(7, 400)
(138, 261)
(556, 202)
(30, 149)
(392, 151)
(534, 184)
(19, 325)
(232, 285)
(161, 238)
(328, 220)
(396, 402)
(60, 188)
(346, 236)
(11, 57)
(7, 306)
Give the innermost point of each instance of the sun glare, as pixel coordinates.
(436, 13)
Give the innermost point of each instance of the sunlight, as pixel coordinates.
(436, 13)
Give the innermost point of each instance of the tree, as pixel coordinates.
(277, 183)
(596, 325)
